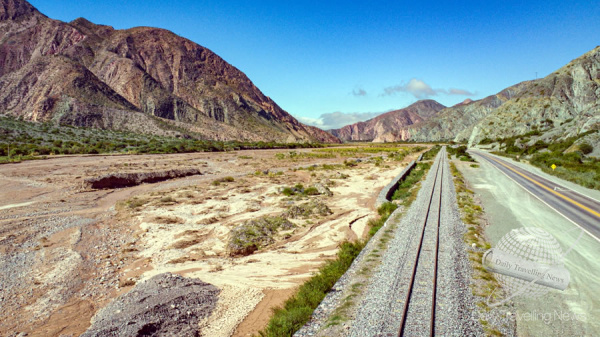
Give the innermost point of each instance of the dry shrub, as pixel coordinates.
(256, 233)
(183, 259)
(126, 283)
(305, 210)
(168, 220)
(216, 268)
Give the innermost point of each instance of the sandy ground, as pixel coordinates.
(65, 251)
(572, 312)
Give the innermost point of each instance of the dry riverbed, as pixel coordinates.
(66, 251)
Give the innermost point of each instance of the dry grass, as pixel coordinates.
(183, 244)
(472, 216)
(183, 259)
(216, 268)
(168, 220)
(126, 283)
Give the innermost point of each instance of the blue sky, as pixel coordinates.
(330, 63)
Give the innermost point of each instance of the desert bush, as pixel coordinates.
(311, 191)
(167, 200)
(299, 189)
(255, 234)
(305, 210)
(218, 182)
(350, 163)
(135, 203)
(287, 191)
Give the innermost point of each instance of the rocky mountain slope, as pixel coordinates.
(386, 127)
(567, 101)
(449, 121)
(84, 74)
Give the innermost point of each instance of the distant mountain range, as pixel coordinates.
(149, 80)
(388, 126)
(141, 79)
(567, 101)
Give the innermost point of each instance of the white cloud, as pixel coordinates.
(415, 87)
(335, 120)
(420, 90)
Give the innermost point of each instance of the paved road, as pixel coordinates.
(579, 209)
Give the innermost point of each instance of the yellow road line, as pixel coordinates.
(548, 189)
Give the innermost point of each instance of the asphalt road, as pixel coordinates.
(577, 208)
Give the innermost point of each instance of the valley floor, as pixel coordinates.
(67, 251)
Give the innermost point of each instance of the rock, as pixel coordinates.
(147, 310)
(253, 207)
(324, 190)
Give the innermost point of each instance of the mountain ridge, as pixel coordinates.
(384, 127)
(567, 100)
(147, 70)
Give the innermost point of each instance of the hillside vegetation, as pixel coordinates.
(570, 155)
(22, 140)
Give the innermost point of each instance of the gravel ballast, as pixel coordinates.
(379, 309)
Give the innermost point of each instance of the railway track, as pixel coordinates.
(421, 287)
(419, 301)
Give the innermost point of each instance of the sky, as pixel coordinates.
(330, 63)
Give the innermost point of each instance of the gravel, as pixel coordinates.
(380, 310)
(164, 305)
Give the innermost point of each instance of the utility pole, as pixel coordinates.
(8, 144)
(536, 75)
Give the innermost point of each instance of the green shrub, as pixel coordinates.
(386, 209)
(350, 163)
(486, 141)
(404, 187)
(287, 191)
(255, 234)
(311, 191)
(429, 155)
(218, 182)
(297, 310)
(308, 209)
(586, 148)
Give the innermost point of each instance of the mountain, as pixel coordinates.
(386, 127)
(567, 101)
(449, 121)
(140, 79)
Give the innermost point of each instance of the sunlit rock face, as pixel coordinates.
(51, 69)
